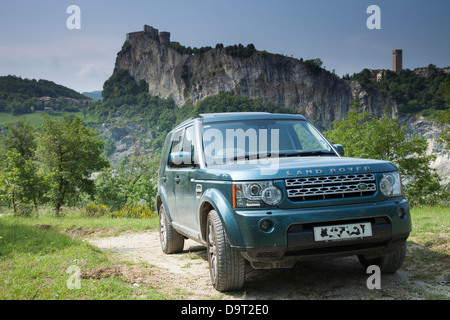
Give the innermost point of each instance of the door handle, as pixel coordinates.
(198, 191)
(177, 179)
(164, 178)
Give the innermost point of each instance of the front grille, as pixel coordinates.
(331, 187)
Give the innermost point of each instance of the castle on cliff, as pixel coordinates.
(163, 36)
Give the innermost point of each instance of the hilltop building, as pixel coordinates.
(397, 60)
(163, 37)
(426, 71)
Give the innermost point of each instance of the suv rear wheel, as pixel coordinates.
(226, 264)
(171, 240)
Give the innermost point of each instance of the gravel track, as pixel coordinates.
(186, 275)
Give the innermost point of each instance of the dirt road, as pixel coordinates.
(186, 275)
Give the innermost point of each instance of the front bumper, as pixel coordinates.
(292, 239)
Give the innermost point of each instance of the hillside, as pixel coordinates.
(94, 95)
(418, 91)
(20, 96)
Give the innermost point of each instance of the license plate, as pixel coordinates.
(343, 232)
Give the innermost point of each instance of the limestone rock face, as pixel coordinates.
(418, 125)
(321, 96)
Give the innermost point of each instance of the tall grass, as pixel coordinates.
(431, 228)
(428, 257)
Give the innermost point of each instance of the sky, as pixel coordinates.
(36, 43)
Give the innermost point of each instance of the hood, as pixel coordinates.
(281, 168)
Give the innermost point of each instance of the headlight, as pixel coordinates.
(391, 185)
(255, 194)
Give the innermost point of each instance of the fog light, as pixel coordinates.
(402, 214)
(266, 225)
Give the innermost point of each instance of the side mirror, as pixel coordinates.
(181, 159)
(339, 148)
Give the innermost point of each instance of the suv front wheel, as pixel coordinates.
(226, 264)
(389, 263)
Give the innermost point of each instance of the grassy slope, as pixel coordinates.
(35, 118)
(35, 259)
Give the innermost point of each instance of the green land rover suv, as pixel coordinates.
(269, 190)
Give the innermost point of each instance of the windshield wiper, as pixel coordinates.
(281, 155)
(246, 156)
(253, 156)
(307, 153)
(316, 153)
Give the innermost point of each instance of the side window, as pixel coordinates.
(183, 145)
(177, 141)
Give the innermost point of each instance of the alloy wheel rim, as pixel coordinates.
(212, 252)
(162, 228)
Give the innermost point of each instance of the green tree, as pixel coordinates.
(20, 137)
(130, 182)
(69, 153)
(109, 189)
(314, 65)
(20, 181)
(364, 136)
(120, 84)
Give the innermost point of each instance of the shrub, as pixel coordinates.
(314, 65)
(95, 210)
(365, 136)
(133, 212)
(24, 211)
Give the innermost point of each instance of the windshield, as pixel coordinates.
(224, 142)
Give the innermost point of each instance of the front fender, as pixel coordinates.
(163, 198)
(223, 208)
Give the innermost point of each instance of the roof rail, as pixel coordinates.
(221, 114)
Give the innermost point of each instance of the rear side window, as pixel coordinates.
(183, 141)
(177, 141)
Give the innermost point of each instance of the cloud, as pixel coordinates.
(95, 69)
(86, 57)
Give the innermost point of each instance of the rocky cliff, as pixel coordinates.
(418, 125)
(318, 94)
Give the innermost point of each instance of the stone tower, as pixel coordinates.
(152, 32)
(397, 60)
(164, 37)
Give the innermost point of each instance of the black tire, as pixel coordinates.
(389, 263)
(226, 264)
(171, 240)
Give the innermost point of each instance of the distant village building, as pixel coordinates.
(397, 66)
(426, 71)
(378, 74)
(45, 98)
